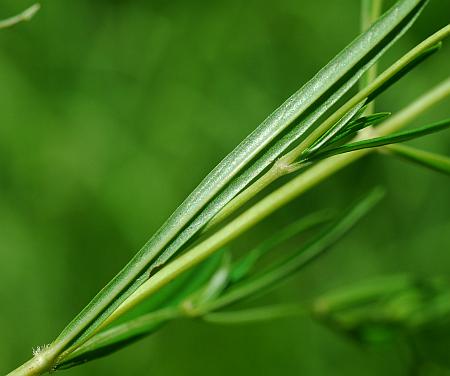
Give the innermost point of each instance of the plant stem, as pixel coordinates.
(370, 11)
(278, 170)
(255, 314)
(42, 362)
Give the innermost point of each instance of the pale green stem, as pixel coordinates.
(278, 170)
(41, 363)
(26, 15)
(370, 11)
(271, 203)
(252, 315)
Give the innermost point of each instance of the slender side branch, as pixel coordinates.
(42, 362)
(255, 314)
(370, 11)
(26, 15)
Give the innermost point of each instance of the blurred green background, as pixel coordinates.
(112, 112)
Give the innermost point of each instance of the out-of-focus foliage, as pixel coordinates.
(113, 111)
(416, 311)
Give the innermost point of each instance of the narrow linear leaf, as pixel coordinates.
(366, 121)
(385, 140)
(245, 265)
(437, 162)
(359, 124)
(335, 130)
(370, 11)
(217, 282)
(347, 131)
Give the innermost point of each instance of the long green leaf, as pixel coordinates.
(217, 283)
(357, 125)
(384, 140)
(244, 266)
(336, 130)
